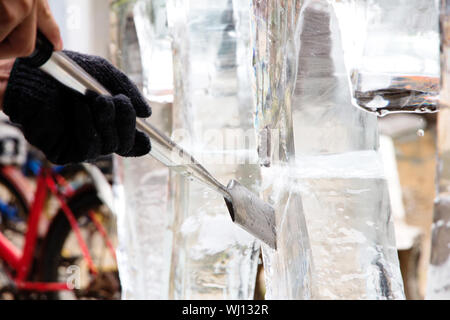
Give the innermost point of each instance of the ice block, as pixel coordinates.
(212, 258)
(343, 235)
(275, 42)
(144, 223)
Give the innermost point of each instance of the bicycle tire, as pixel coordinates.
(59, 231)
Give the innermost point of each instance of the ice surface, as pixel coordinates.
(144, 221)
(346, 203)
(212, 257)
(146, 243)
(275, 50)
(288, 270)
(150, 17)
(406, 235)
(274, 26)
(325, 121)
(439, 268)
(391, 50)
(322, 167)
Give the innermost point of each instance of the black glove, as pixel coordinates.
(70, 127)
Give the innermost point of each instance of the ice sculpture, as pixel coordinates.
(391, 51)
(322, 158)
(439, 268)
(212, 258)
(145, 237)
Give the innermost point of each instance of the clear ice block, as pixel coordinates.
(346, 204)
(288, 270)
(391, 50)
(439, 268)
(144, 222)
(212, 257)
(146, 238)
(327, 149)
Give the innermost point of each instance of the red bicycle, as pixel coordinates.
(69, 255)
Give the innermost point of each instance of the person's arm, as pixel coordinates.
(19, 21)
(5, 70)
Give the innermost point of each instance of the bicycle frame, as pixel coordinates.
(21, 261)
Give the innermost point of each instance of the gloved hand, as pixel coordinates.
(70, 127)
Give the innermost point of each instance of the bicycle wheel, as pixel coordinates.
(62, 258)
